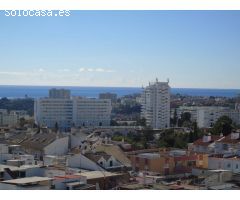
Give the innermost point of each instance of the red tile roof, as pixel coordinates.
(227, 139)
(67, 177)
(200, 142)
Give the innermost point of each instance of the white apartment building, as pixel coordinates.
(12, 118)
(91, 112)
(49, 111)
(156, 105)
(68, 112)
(190, 109)
(206, 116)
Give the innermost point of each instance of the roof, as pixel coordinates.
(37, 141)
(116, 152)
(97, 156)
(97, 174)
(14, 168)
(27, 180)
(67, 177)
(200, 142)
(227, 139)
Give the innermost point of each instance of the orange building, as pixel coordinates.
(164, 161)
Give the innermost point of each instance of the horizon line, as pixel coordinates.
(210, 88)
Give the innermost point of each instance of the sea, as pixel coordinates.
(93, 92)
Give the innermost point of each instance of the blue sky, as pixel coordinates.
(194, 49)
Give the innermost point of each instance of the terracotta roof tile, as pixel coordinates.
(200, 142)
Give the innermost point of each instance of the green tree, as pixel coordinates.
(56, 128)
(141, 122)
(175, 118)
(113, 123)
(22, 122)
(223, 125)
(186, 116)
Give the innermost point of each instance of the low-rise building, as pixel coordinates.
(229, 145)
(163, 161)
(226, 163)
(206, 144)
(28, 183)
(44, 142)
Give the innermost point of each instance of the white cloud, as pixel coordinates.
(95, 70)
(81, 69)
(100, 70)
(109, 70)
(64, 70)
(41, 70)
(12, 73)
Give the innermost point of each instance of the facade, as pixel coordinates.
(12, 118)
(218, 162)
(91, 112)
(156, 105)
(187, 109)
(206, 144)
(229, 145)
(64, 112)
(206, 116)
(50, 111)
(163, 161)
(44, 142)
(27, 183)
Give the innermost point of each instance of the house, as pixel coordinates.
(228, 145)
(71, 182)
(163, 161)
(105, 180)
(231, 163)
(28, 183)
(106, 161)
(4, 153)
(42, 143)
(81, 161)
(213, 179)
(99, 161)
(116, 152)
(206, 144)
(8, 172)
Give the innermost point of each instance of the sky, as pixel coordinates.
(194, 49)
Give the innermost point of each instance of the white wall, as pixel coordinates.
(4, 186)
(36, 171)
(76, 140)
(5, 157)
(80, 161)
(106, 163)
(224, 163)
(58, 147)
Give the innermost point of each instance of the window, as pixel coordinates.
(225, 147)
(236, 166)
(228, 165)
(111, 163)
(101, 163)
(22, 174)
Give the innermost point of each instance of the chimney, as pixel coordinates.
(207, 138)
(234, 136)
